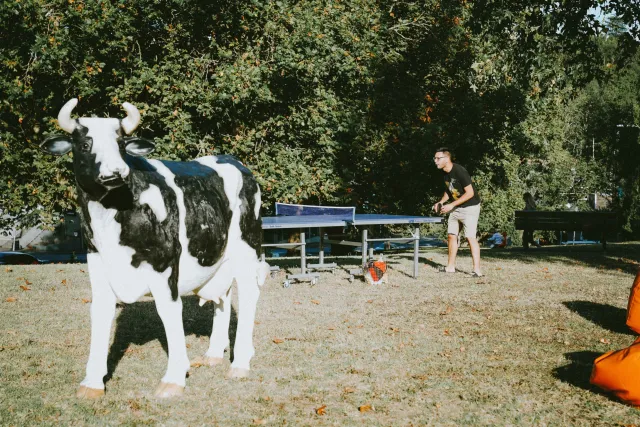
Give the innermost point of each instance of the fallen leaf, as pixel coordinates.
(462, 349)
(259, 421)
(58, 271)
(395, 329)
(297, 302)
(498, 268)
(447, 311)
(19, 278)
(349, 389)
(366, 408)
(8, 269)
(82, 271)
(322, 410)
(315, 301)
(331, 328)
(85, 301)
(446, 332)
(605, 340)
(25, 288)
(369, 301)
(27, 282)
(64, 281)
(278, 341)
(11, 299)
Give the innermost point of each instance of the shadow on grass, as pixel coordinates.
(139, 323)
(623, 257)
(578, 371)
(606, 316)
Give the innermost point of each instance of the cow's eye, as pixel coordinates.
(85, 145)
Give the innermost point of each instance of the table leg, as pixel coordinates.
(364, 247)
(416, 246)
(303, 253)
(321, 252)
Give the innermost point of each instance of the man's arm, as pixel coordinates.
(468, 194)
(445, 197)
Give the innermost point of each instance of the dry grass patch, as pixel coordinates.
(514, 347)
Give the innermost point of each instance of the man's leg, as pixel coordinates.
(475, 254)
(471, 215)
(453, 230)
(453, 251)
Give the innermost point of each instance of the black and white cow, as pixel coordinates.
(166, 229)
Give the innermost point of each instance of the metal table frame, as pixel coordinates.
(356, 220)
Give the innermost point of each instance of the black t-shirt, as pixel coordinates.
(454, 183)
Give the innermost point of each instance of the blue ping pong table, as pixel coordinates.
(290, 216)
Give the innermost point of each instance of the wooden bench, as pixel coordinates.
(602, 222)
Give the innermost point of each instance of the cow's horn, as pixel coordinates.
(64, 116)
(131, 122)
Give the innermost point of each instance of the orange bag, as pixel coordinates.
(619, 373)
(374, 271)
(633, 308)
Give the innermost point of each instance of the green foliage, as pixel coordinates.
(328, 102)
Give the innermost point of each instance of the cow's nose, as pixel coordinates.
(122, 171)
(108, 179)
(115, 179)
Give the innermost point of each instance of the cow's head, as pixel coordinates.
(99, 146)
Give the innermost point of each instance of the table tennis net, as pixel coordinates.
(286, 209)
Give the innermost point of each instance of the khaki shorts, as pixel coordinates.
(468, 217)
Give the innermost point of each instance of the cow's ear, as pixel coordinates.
(57, 145)
(139, 146)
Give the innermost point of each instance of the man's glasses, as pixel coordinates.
(435, 159)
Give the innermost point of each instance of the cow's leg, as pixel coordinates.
(248, 293)
(103, 310)
(170, 312)
(219, 335)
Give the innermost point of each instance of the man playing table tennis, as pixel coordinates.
(463, 208)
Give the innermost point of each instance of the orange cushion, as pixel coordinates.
(633, 308)
(619, 373)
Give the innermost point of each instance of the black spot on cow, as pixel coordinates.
(250, 226)
(208, 213)
(85, 167)
(154, 242)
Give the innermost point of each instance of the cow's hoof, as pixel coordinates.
(238, 373)
(168, 390)
(85, 392)
(206, 361)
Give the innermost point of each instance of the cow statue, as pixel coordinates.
(163, 228)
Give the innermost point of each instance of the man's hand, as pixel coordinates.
(446, 208)
(436, 207)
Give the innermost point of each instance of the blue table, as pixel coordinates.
(305, 216)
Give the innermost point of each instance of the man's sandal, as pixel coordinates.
(475, 274)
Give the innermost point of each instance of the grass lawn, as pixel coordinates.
(512, 348)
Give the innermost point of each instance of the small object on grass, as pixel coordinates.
(375, 272)
(366, 408)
